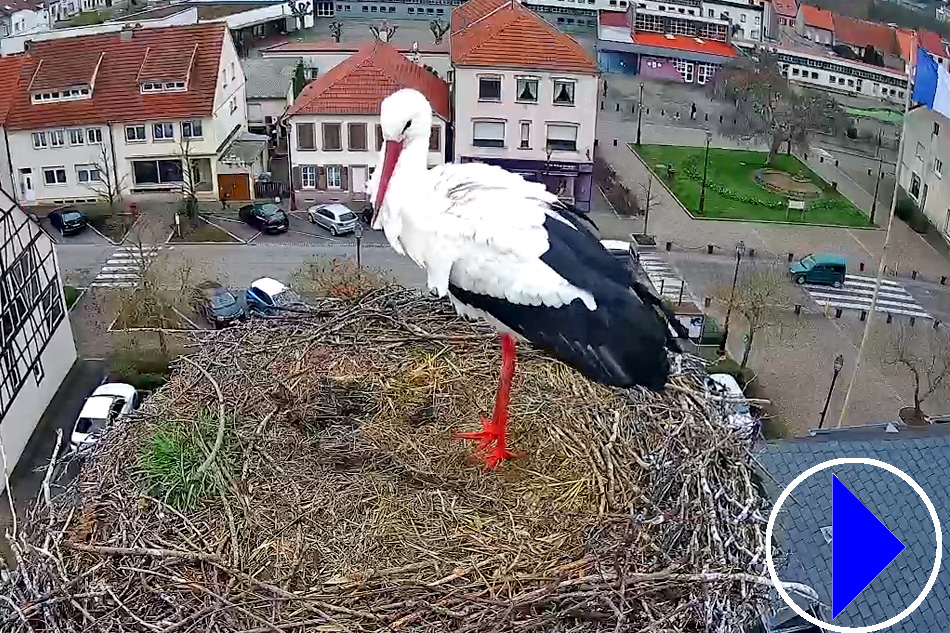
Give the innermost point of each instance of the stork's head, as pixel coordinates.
(405, 118)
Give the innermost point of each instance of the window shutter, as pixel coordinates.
(379, 138)
(344, 178)
(321, 177)
(295, 178)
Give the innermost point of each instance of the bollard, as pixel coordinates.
(662, 112)
(864, 315)
(751, 252)
(662, 283)
(890, 317)
(821, 159)
(720, 118)
(834, 185)
(791, 257)
(912, 321)
(936, 324)
(913, 274)
(706, 117)
(633, 108)
(837, 313)
(707, 302)
(617, 109)
(869, 173)
(596, 142)
(798, 309)
(943, 280)
(648, 111)
(860, 266)
(669, 246)
(615, 142)
(836, 162)
(682, 290)
(709, 249)
(735, 122)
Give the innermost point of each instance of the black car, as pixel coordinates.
(217, 304)
(68, 220)
(265, 216)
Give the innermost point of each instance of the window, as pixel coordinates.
(563, 92)
(794, 72)
(379, 138)
(525, 135)
(135, 133)
(308, 177)
(305, 136)
(39, 140)
(814, 75)
(93, 135)
(233, 73)
(88, 173)
(157, 172)
(742, 17)
(334, 177)
(76, 137)
(357, 135)
(489, 88)
(332, 140)
(938, 167)
(562, 137)
(191, 129)
(224, 77)
(758, 20)
(527, 90)
(233, 106)
(710, 13)
(163, 132)
(57, 138)
(488, 133)
(915, 185)
(920, 150)
(435, 138)
(936, 129)
(54, 175)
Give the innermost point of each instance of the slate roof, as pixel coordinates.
(268, 78)
(486, 33)
(116, 97)
(924, 454)
(359, 84)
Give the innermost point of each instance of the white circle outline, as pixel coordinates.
(823, 466)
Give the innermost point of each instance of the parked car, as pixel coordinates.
(68, 220)
(726, 389)
(266, 217)
(336, 218)
(217, 304)
(108, 403)
(268, 297)
(820, 268)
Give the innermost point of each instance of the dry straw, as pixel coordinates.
(300, 474)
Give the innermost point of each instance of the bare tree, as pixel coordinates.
(300, 9)
(383, 32)
(190, 181)
(648, 196)
(439, 29)
(106, 185)
(762, 296)
(336, 30)
(923, 352)
(764, 107)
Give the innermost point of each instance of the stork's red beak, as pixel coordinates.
(391, 152)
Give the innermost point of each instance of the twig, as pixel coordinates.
(143, 551)
(219, 438)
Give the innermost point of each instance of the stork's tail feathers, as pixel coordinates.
(648, 298)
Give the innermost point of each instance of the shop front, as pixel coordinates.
(572, 182)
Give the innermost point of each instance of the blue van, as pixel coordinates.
(820, 268)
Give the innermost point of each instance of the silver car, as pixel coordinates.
(336, 218)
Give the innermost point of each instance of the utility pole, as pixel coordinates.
(639, 113)
(877, 184)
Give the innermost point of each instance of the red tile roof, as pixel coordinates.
(685, 43)
(116, 97)
(931, 42)
(77, 70)
(785, 8)
(817, 18)
(9, 79)
(168, 64)
(464, 15)
(360, 83)
(863, 34)
(614, 18)
(512, 36)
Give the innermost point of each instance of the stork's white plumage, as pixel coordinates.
(506, 250)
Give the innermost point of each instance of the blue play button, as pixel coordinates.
(861, 547)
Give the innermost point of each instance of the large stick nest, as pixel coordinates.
(336, 497)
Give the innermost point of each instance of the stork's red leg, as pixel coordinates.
(494, 431)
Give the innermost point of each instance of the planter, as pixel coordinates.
(642, 243)
(912, 417)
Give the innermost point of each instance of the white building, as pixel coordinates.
(526, 97)
(943, 13)
(336, 139)
(269, 90)
(925, 166)
(36, 342)
(21, 17)
(126, 109)
(747, 18)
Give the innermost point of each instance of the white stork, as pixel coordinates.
(508, 251)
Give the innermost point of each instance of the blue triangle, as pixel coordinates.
(861, 547)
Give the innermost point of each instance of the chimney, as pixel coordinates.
(126, 33)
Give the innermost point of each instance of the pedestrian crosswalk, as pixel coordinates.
(666, 282)
(124, 267)
(856, 294)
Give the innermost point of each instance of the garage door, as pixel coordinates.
(234, 186)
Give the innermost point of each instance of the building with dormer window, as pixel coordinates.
(154, 110)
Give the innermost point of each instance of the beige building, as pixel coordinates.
(36, 342)
(925, 166)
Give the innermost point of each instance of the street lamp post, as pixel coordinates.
(839, 364)
(740, 251)
(639, 113)
(877, 184)
(702, 193)
(359, 244)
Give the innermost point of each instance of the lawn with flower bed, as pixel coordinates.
(733, 193)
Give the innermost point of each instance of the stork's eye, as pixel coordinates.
(408, 123)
